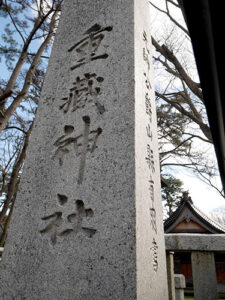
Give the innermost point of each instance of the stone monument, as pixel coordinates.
(88, 218)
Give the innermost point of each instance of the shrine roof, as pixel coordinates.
(194, 213)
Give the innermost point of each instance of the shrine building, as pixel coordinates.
(188, 218)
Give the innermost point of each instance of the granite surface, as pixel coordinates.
(87, 222)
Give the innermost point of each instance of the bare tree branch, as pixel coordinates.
(164, 50)
(15, 127)
(10, 85)
(8, 113)
(170, 16)
(204, 127)
(14, 23)
(14, 176)
(174, 149)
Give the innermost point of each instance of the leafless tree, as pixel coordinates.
(182, 119)
(23, 46)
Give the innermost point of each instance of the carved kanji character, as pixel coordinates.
(86, 48)
(83, 90)
(147, 82)
(63, 223)
(150, 158)
(80, 144)
(146, 52)
(154, 249)
(148, 106)
(153, 219)
(64, 143)
(149, 131)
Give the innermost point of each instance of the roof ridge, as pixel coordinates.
(212, 221)
(205, 218)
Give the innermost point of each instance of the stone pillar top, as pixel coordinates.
(180, 282)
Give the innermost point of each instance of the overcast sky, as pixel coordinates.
(204, 196)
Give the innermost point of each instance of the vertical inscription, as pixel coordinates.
(149, 158)
(85, 89)
(152, 205)
(148, 106)
(146, 52)
(154, 249)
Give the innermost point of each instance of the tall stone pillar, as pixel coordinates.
(88, 218)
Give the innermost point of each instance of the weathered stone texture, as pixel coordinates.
(180, 285)
(83, 226)
(204, 275)
(195, 242)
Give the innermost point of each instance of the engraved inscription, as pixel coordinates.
(62, 199)
(64, 144)
(150, 154)
(87, 48)
(154, 249)
(61, 223)
(147, 82)
(146, 52)
(148, 106)
(153, 218)
(149, 131)
(150, 158)
(152, 205)
(81, 144)
(84, 90)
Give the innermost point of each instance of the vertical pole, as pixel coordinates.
(179, 286)
(170, 274)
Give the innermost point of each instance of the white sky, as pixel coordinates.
(204, 196)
